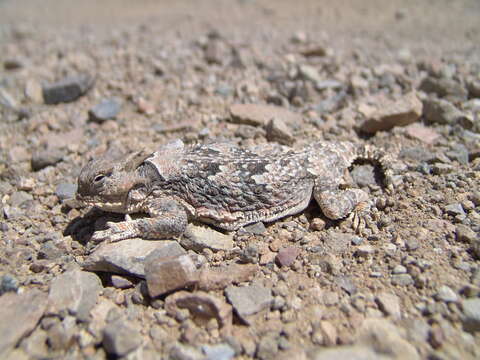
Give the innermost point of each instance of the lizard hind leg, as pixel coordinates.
(338, 204)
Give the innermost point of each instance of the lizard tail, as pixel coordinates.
(379, 157)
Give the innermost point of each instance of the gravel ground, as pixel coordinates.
(80, 78)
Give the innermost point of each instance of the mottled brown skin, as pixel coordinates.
(222, 185)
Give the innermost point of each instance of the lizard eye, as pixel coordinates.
(99, 178)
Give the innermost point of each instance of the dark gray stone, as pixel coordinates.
(105, 110)
(257, 228)
(43, 158)
(8, 283)
(68, 89)
(66, 191)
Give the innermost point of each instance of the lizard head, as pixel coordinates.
(107, 182)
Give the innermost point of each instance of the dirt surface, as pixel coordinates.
(78, 78)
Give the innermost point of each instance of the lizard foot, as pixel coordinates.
(116, 231)
(360, 218)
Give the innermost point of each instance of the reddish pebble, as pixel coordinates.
(287, 256)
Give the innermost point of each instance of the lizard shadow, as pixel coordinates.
(82, 227)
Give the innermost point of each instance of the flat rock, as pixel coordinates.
(260, 115)
(422, 133)
(389, 114)
(218, 352)
(19, 314)
(202, 306)
(104, 110)
(198, 238)
(128, 256)
(249, 300)
(68, 89)
(220, 277)
(121, 338)
(356, 352)
(74, 292)
(165, 274)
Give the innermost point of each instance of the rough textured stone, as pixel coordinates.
(389, 114)
(389, 304)
(164, 274)
(248, 300)
(128, 256)
(74, 292)
(68, 89)
(19, 314)
(104, 110)
(279, 132)
(121, 338)
(444, 87)
(198, 238)
(259, 115)
(440, 111)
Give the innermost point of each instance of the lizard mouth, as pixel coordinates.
(112, 206)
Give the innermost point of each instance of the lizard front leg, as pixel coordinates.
(337, 204)
(167, 219)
